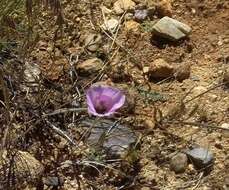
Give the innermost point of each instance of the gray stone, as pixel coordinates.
(171, 29)
(179, 163)
(52, 181)
(200, 157)
(116, 141)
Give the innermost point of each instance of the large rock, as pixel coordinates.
(120, 6)
(160, 69)
(89, 66)
(115, 140)
(171, 29)
(200, 157)
(24, 167)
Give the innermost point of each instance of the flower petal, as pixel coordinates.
(91, 95)
(119, 101)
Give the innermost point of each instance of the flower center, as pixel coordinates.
(101, 108)
(103, 104)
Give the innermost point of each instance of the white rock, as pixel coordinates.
(110, 25)
(32, 73)
(225, 126)
(171, 29)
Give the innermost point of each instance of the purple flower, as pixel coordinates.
(141, 15)
(104, 100)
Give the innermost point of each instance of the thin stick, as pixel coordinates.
(123, 48)
(60, 132)
(116, 34)
(210, 89)
(64, 110)
(197, 125)
(198, 181)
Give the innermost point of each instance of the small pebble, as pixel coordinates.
(226, 183)
(89, 66)
(182, 72)
(145, 188)
(225, 134)
(179, 163)
(120, 6)
(226, 78)
(92, 42)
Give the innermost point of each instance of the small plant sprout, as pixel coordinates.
(104, 100)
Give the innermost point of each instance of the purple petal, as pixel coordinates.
(118, 102)
(94, 92)
(92, 95)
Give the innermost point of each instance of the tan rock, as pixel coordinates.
(182, 72)
(164, 8)
(120, 6)
(149, 124)
(90, 66)
(160, 69)
(179, 163)
(132, 26)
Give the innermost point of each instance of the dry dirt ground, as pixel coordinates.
(147, 166)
